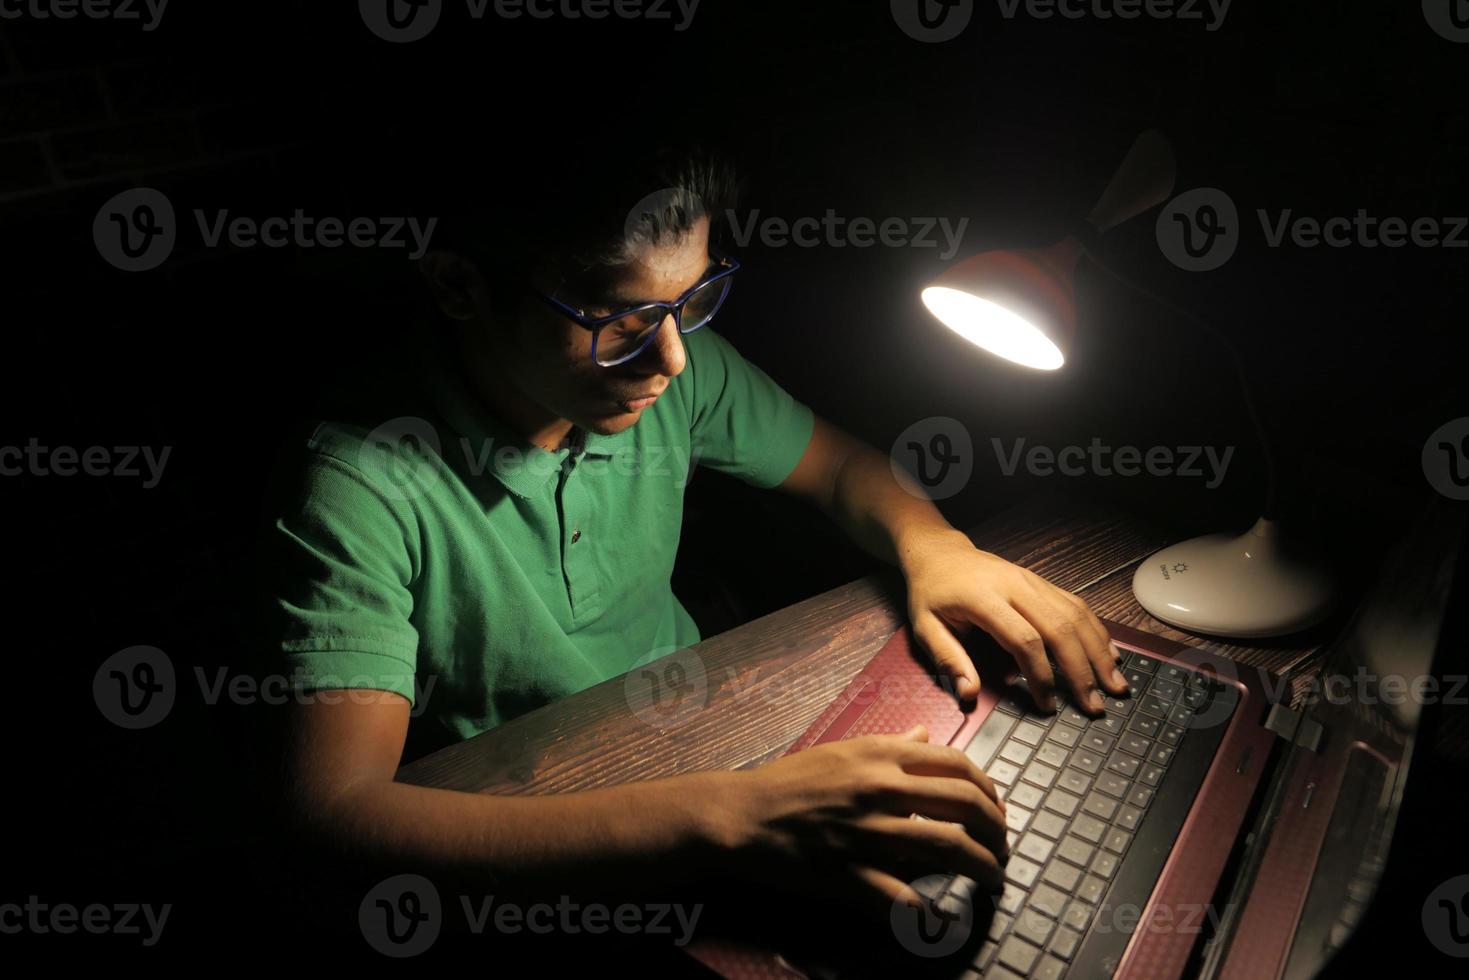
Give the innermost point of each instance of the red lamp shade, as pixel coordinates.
(1018, 304)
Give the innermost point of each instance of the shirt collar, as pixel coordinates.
(492, 446)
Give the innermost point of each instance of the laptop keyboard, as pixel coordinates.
(1077, 792)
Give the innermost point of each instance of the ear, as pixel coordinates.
(457, 287)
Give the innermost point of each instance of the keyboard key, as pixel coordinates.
(1018, 955)
(1012, 898)
(1016, 818)
(999, 922)
(1034, 927)
(1052, 754)
(1153, 705)
(1171, 735)
(1175, 673)
(1152, 774)
(1137, 678)
(1195, 696)
(1161, 755)
(1140, 796)
(1089, 828)
(1120, 706)
(1028, 732)
(1035, 847)
(1048, 900)
(1011, 839)
(1167, 690)
(1049, 968)
(1042, 776)
(1076, 850)
(1022, 872)
(1064, 876)
(1062, 802)
(1123, 764)
(1064, 942)
(1065, 736)
(1099, 806)
(1107, 725)
(1104, 865)
(1116, 841)
(1135, 744)
(1087, 761)
(1143, 663)
(1129, 817)
(1073, 781)
(1098, 741)
(1091, 890)
(1073, 717)
(1077, 915)
(1004, 772)
(1181, 715)
(986, 955)
(1016, 752)
(1145, 725)
(1049, 824)
(1025, 795)
(1113, 785)
(986, 742)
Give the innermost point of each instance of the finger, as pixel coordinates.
(955, 800)
(945, 760)
(948, 653)
(919, 847)
(1022, 641)
(1103, 653)
(1061, 627)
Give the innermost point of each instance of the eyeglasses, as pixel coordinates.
(619, 337)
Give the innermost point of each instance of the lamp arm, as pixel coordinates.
(1087, 235)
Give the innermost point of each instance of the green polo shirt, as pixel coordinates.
(424, 548)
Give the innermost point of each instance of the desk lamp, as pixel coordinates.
(1021, 305)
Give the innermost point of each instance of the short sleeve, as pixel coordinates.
(742, 423)
(338, 566)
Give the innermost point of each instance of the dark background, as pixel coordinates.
(1357, 354)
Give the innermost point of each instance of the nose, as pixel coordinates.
(665, 355)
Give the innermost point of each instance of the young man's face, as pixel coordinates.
(548, 357)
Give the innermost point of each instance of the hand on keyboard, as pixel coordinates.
(836, 820)
(953, 586)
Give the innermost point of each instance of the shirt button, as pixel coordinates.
(575, 535)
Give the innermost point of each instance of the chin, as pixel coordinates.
(610, 425)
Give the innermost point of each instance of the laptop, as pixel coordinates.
(1201, 827)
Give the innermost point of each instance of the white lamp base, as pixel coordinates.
(1244, 586)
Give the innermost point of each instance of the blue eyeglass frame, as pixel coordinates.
(675, 308)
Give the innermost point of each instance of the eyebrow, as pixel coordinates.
(614, 299)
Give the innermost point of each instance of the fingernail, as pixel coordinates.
(1117, 678)
(1095, 700)
(1116, 653)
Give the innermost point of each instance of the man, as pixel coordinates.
(505, 540)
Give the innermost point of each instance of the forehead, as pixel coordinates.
(660, 272)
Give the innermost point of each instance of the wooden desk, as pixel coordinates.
(768, 679)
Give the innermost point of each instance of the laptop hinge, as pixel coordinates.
(1294, 726)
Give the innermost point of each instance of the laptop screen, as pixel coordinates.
(1351, 750)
